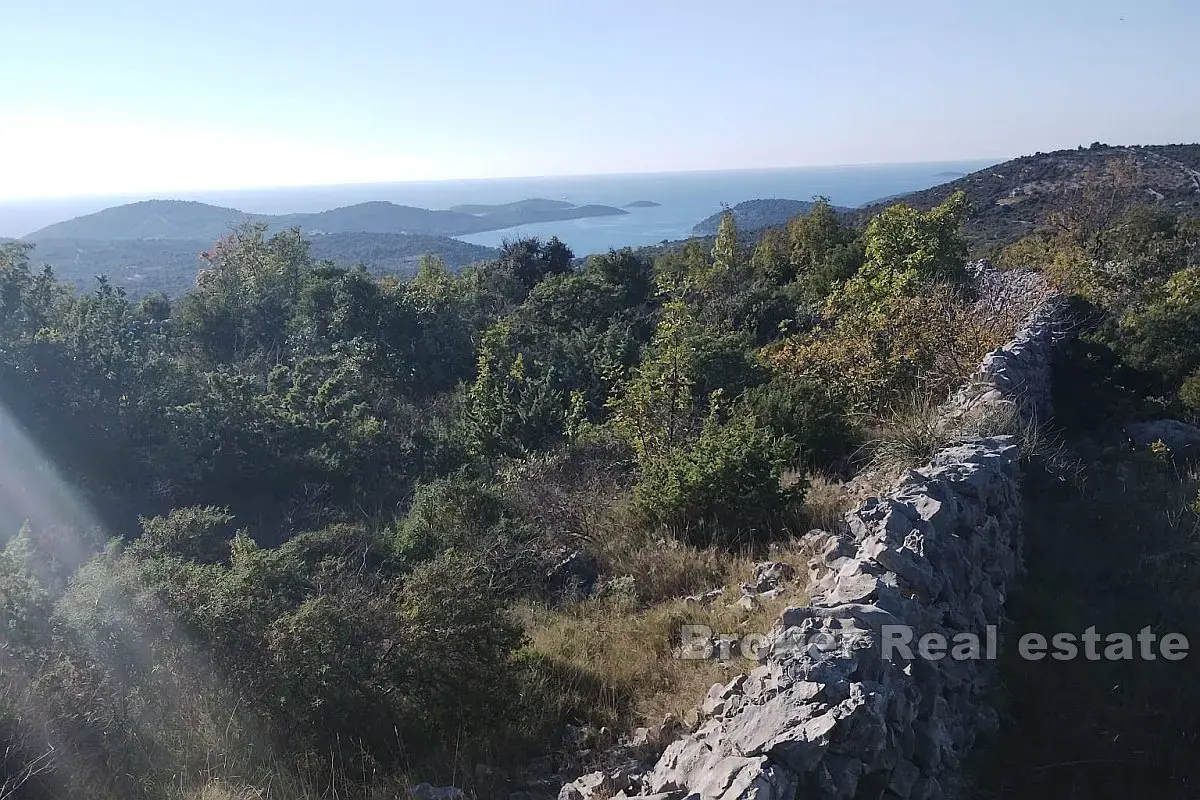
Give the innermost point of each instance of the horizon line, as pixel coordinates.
(146, 195)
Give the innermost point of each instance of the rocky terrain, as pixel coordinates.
(825, 714)
(1011, 198)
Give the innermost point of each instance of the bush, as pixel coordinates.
(457, 512)
(807, 414)
(1189, 393)
(199, 534)
(724, 487)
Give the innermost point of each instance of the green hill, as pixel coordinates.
(533, 204)
(189, 220)
(754, 215)
(148, 219)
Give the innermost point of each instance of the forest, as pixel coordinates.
(318, 533)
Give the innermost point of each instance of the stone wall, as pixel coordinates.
(829, 712)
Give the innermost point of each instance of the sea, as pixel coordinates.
(683, 198)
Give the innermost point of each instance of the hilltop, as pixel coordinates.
(190, 220)
(148, 219)
(1009, 199)
(753, 215)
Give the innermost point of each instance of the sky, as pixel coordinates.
(143, 96)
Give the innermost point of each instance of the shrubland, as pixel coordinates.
(308, 532)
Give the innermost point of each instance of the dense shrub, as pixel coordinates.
(326, 492)
(725, 486)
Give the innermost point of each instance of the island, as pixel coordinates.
(643, 204)
(753, 215)
(175, 219)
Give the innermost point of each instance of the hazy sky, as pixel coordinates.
(130, 96)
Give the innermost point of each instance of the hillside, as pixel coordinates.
(170, 265)
(148, 219)
(1009, 199)
(464, 489)
(189, 220)
(753, 215)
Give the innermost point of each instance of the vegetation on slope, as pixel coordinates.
(179, 219)
(1011, 200)
(1114, 546)
(310, 529)
(754, 215)
(148, 266)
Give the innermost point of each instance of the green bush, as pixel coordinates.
(201, 534)
(808, 414)
(1189, 393)
(457, 512)
(725, 486)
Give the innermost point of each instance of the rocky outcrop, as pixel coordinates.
(876, 689)
(1179, 438)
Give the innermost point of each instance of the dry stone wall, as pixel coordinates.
(833, 711)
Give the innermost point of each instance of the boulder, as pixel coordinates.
(770, 575)
(426, 791)
(1182, 439)
(593, 786)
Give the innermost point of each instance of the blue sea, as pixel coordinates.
(684, 198)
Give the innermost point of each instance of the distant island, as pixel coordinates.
(154, 245)
(534, 205)
(178, 219)
(949, 174)
(643, 204)
(753, 215)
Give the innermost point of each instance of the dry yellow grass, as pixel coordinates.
(825, 502)
(623, 641)
(219, 790)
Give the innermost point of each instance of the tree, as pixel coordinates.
(687, 366)
(725, 255)
(889, 323)
(242, 300)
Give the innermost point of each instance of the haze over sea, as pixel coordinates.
(685, 198)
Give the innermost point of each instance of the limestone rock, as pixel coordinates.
(770, 575)
(1181, 438)
(426, 791)
(593, 786)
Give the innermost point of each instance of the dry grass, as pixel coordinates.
(619, 645)
(916, 429)
(219, 790)
(306, 776)
(664, 569)
(909, 435)
(826, 502)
